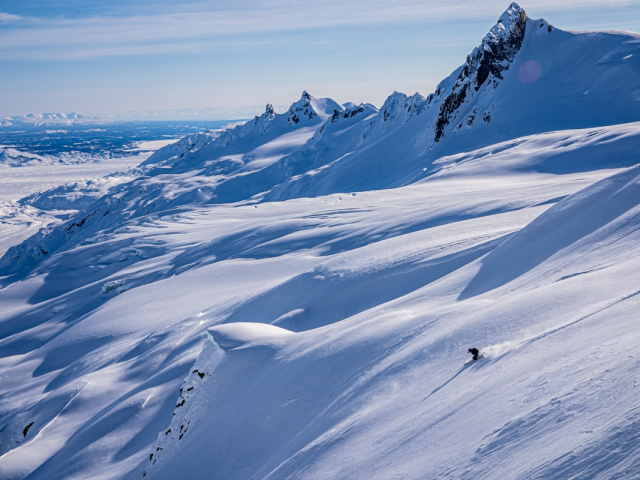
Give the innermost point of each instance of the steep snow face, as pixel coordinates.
(582, 79)
(560, 79)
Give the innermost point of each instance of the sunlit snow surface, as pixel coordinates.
(263, 303)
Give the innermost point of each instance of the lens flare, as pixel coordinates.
(530, 71)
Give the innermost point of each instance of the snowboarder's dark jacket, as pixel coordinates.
(475, 352)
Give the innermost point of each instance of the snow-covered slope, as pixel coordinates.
(385, 392)
(358, 275)
(294, 297)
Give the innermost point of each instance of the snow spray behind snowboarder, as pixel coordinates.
(475, 352)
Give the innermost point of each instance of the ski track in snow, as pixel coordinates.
(294, 297)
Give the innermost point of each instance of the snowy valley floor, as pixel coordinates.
(335, 332)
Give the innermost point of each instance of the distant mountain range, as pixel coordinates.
(45, 118)
(210, 113)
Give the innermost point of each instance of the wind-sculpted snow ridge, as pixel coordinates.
(306, 111)
(562, 80)
(317, 147)
(100, 338)
(251, 338)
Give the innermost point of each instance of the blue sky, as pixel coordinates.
(108, 56)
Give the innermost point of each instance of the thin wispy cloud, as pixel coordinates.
(8, 18)
(203, 25)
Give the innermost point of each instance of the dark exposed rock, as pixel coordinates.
(81, 222)
(26, 429)
(347, 113)
(448, 109)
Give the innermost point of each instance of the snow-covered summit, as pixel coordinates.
(353, 111)
(498, 48)
(257, 126)
(301, 110)
(510, 23)
(309, 109)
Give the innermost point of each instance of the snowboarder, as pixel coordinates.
(475, 352)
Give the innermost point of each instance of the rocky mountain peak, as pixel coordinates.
(400, 105)
(498, 48)
(302, 109)
(485, 64)
(509, 20)
(269, 112)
